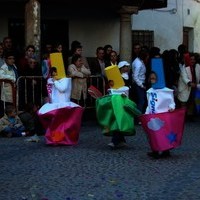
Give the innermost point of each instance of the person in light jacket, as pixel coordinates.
(189, 80)
(79, 73)
(8, 71)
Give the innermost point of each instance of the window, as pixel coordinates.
(145, 38)
(16, 32)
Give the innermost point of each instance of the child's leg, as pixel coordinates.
(17, 132)
(165, 154)
(118, 138)
(154, 154)
(7, 132)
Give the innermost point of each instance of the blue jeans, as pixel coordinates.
(140, 97)
(16, 132)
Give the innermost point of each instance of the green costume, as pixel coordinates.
(116, 113)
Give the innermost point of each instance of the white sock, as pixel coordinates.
(23, 133)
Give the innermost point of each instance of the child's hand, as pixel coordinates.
(123, 95)
(111, 83)
(11, 125)
(17, 125)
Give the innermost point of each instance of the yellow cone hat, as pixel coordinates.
(113, 74)
(56, 60)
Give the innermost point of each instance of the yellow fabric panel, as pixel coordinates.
(113, 73)
(57, 61)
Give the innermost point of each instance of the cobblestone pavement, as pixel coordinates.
(92, 171)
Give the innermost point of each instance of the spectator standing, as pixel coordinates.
(78, 50)
(58, 48)
(24, 61)
(97, 65)
(136, 50)
(171, 69)
(182, 49)
(107, 50)
(8, 46)
(79, 74)
(139, 78)
(74, 44)
(1, 55)
(48, 48)
(8, 71)
(113, 59)
(188, 81)
(33, 85)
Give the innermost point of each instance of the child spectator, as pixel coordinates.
(30, 119)
(124, 68)
(10, 123)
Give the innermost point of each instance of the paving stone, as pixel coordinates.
(92, 171)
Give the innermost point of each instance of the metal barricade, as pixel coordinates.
(29, 91)
(13, 88)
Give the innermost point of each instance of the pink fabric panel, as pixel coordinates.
(164, 130)
(62, 125)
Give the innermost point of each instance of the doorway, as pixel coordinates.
(54, 32)
(188, 38)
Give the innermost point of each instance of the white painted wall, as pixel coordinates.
(168, 25)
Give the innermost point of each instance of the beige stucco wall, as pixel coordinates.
(92, 28)
(3, 25)
(94, 33)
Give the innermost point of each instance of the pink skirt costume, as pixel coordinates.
(61, 118)
(164, 129)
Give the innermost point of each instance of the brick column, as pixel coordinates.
(32, 24)
(126, 32)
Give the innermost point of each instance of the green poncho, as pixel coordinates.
(116, 113)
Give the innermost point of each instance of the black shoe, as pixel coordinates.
(190, 118)
(153, 154)
(165, 154)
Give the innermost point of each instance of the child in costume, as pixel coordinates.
(115, 111)
(168, 105)
(159, 120)
(60, 117)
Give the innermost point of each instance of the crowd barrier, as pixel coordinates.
(33, 89)
(13, 88)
